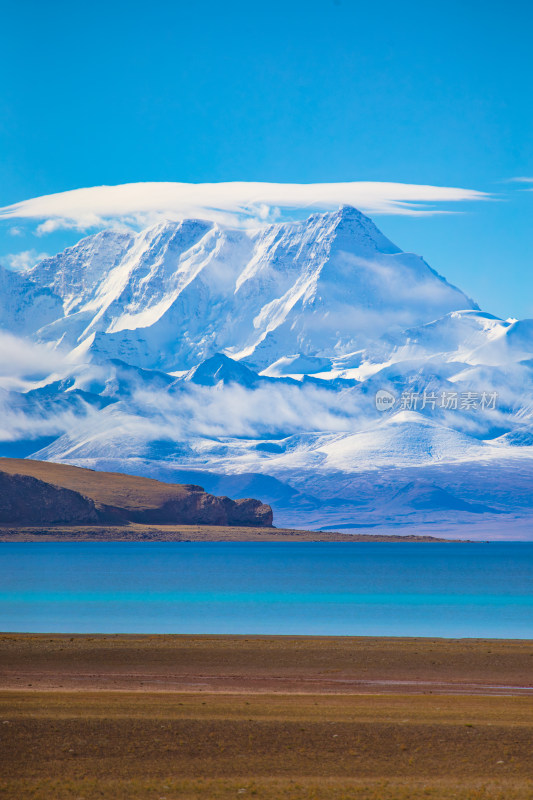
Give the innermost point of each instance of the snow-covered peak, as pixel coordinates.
(176, 293)
(221, 369)
(353, 226)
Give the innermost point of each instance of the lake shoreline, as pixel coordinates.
(197, 533)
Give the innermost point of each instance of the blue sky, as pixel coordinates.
(422, 93)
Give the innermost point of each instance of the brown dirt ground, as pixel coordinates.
(171, 745)
(265, 663)
(190, 717)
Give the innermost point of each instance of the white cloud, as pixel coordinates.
(22, 358)
(26, 365)
(17, 424)
(24, 260)
(520, 180)
(236, 411)
(237, 203)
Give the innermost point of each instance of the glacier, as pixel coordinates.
(248, 360)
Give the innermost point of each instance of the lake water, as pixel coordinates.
(474, 590)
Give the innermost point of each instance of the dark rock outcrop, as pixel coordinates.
(198, 507)
(250, 508)
(28, 501)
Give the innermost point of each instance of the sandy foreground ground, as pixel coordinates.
(165, 717)
(265, 664)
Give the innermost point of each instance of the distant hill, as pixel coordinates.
(40, 492)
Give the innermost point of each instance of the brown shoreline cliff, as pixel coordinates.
(39, 492)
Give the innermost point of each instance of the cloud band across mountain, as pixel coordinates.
(232, 203)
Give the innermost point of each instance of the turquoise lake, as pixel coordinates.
(382, 589)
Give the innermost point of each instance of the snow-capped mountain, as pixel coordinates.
(249, 361)
(178, 293)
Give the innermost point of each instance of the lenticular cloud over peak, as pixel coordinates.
(234, 203)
